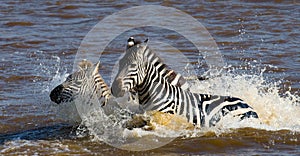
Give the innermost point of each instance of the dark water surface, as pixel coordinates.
(39, 41)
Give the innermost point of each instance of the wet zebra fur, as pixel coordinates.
(141, 71)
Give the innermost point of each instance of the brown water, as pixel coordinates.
(259, 42)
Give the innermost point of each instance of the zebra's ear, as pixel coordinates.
(96, 68)
(146, 40)
(84, 64)
(130, 42)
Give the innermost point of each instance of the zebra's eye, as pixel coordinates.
(133, 65)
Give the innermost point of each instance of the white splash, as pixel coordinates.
(276, 112)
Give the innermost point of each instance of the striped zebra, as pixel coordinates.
(141, 71)
(87, 83)
(76, 84)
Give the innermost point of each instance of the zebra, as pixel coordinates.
(141, 71)
(87, 84)
(72, 86)
(87, 80)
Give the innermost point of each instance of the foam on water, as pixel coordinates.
(55, 74)
(40, 147)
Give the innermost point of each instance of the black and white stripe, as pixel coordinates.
(141, 71)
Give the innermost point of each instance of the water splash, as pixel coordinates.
(276, 110)
(50, 68)
(273, 108)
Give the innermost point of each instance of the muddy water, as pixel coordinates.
(259, 42)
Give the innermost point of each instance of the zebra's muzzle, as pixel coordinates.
(116, 88)
(55, 94)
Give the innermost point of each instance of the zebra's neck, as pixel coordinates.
(168, 74)
(156, 93)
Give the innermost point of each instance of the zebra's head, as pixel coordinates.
(72, 86)
(131, 68)
(138, 62)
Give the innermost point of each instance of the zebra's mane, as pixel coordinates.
(171, 76)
